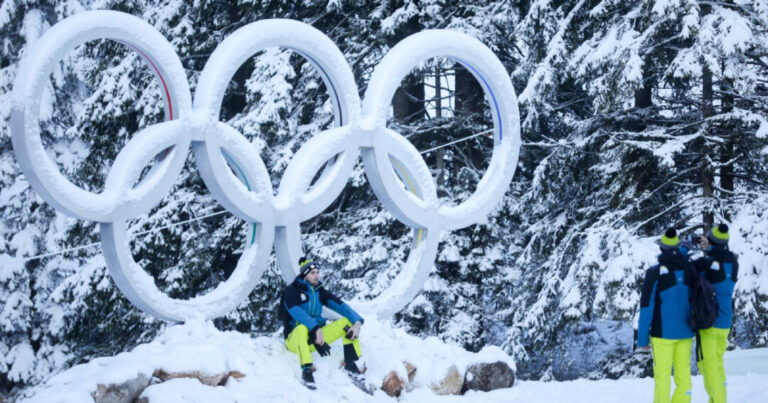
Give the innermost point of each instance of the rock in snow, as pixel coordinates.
(206, 379)
(393, 384)
(120, 393)
(450, 384)
(489, 376)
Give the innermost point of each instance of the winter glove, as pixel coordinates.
(324, 349)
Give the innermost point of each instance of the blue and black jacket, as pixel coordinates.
(664, 305)
(720, 267)
(303, 304)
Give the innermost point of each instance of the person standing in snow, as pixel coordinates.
(663, 323)
(305, 330)
(720, 267)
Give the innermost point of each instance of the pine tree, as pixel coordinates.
(636, 116)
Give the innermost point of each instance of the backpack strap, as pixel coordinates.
(699, 350)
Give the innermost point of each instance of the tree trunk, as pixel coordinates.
(440, 152)
(643, 95)
(706, 169)
(408, 101)
(727, 149)
(469, 95)
(469, 100)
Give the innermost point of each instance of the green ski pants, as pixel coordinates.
(668, 353)
(298, 339)
(713, 344)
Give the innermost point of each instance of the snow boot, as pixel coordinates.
(306, 377)
(357, 377)
(352, 369)
(350, 356)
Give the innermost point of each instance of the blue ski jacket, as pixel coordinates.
(664, 304)
(303, 304)
(720, 267)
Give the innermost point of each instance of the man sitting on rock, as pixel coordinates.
(305, 330)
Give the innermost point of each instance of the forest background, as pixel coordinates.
(635, 116)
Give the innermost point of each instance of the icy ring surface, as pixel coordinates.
(235, 173)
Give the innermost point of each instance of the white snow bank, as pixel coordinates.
(271, 372)
(742, 362)
(741, 389)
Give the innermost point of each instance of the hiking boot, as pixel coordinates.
(350, 356)
(357, 377)
(306, 377)
(354, 372)
(351, 367)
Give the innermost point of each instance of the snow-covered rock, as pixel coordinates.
(489, 376)
(451, 383)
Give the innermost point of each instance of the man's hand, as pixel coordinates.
(352, 332)
(644, 348)
(319, 338)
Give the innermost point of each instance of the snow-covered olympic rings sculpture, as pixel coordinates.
(232, 168)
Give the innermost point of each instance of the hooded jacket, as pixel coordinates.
(302, 304)
(664, 304)
(720, 267)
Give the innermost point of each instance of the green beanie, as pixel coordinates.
(669, 240)
(719, 234)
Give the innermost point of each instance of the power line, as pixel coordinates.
(59, 252)
(220, 212)
(135, 234)
(456, 141)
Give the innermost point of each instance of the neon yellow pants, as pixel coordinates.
(713, 344)
(668, 353)
(298, 342)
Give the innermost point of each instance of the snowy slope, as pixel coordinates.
(272, 373)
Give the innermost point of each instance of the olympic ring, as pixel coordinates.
(232, 168)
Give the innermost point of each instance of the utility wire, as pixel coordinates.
(24, 260)
(44, 255)
(551, 144)
(456, 141)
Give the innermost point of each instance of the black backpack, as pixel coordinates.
(284, 316)
(704, 308)
(282, 313)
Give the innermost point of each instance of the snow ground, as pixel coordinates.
(272, 373)
(743, 388)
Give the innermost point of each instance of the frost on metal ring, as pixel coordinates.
(233, 170)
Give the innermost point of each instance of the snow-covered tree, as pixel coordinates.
(636, 116)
